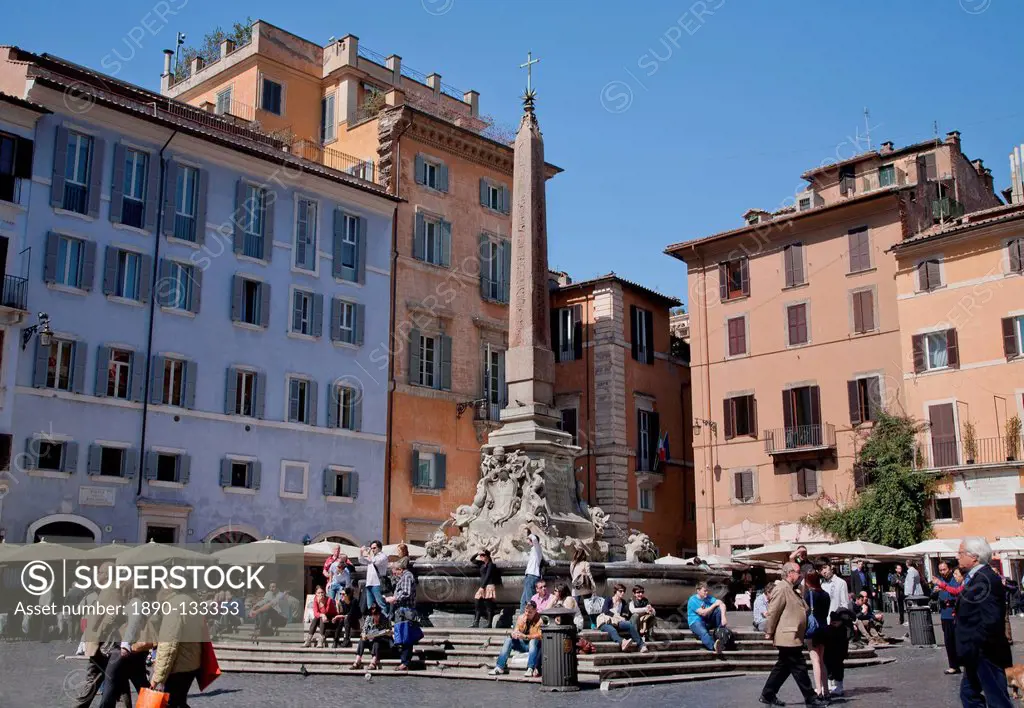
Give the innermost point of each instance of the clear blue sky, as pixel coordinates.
(701, 117)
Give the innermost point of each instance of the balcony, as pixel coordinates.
(76, 198)
(945, 452)
(252, 246)
(185, 227)
(335, 159)
(800, 440)
(946, 208)
(15, 293)
(883, 179)
(10, 189)
(133, 212)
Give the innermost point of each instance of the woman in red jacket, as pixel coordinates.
(324, 612)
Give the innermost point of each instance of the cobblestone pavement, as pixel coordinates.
(31, 676)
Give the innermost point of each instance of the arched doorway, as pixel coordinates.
(233, 537)
(336, 537)
(63, 528)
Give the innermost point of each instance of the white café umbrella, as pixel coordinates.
(153, 553)
(1009, 544)
(43, 551)
(673, 560)
(931, 547)
(108, 552)
(778, 551)
(265, 551)
(857, 549)
(323, 549)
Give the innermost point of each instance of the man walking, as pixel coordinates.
(947, 588)
(898, 582)
(981, 642)
(837, 643)
(787, 624)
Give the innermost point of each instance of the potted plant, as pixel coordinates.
(1013, 438)
(970, 442)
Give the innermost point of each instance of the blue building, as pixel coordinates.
(212, 302)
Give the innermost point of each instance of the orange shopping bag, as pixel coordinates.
(209, 668)
(148, 698)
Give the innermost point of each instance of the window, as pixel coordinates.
(860, 249)
(245, 392)
(733, 279)
(1013, 337)
(346, 408)
(177, 286)
(804, 203)
(847, 180)
(433, 243)
(645, 499)
(1015, 254)
(428, 173)
(929, 275)
(495, 392)
(567, 333)
(111, 462)
(863, 311)
(301, 401)
(50, 455)
(927, 169)
(327, 118)
(807, 481)
(428, 361)
(753, 219)
(307, 313)
(253, 216)
(174, 382)
(224, 101)
(801, 414)
(305, 234)
(743, 486)
(59, 373)
(167, 467)
(946, 509)
(119, 372)
(865, 396)
(349, 241)
(796, 324)
(569, 424)
(340, 484)
(648, 440)
(270, 97)
(77, 171)
(886, 175)
(293, 480)
(740, 416)
(240, 474)
(495, 264)
(186, 203)
(944, 434)
(129, 266)
(736, 329)
(252, 297)
(346, 321)
(494, 197)
(428, 470)
(133, 203)
(642, 327)
(936, 350)
(793, 258)
(15, 164)
(70, 260)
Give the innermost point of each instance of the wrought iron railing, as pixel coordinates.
(253, 245)
(371, 55)
(15, 293)
(185, 227)
(133, 212)
(800, 437)
(236, 109)
(484, 410)
(335, 159)
(937, 452)
(76, 198)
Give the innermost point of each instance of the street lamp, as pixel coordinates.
(43, 329)
(712, 425)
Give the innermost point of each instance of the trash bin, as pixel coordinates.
(919, 614)
(558, 651)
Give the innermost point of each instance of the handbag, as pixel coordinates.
(584, 581)
(812, 622)
(148, 698)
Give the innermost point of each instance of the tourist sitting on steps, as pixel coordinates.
(269, 614)
(376, 634)
(349, 616)
(705, 614)
(564, 600)
(543, 598)
(525, 637)
(487, 592)
(761, 609)
(642, 612)
(325, 612)
(614, 618)
(868, 622)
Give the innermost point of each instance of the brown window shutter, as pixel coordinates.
(810, 481)
(1020, 505)
(860, 478)
(752, 414)
(918, 345)
(867, 302)
(787, 255)
(815, 405)
(874, 397)
(1016, 248)
(798, 263)
(728, 405)
(858, 317)
(748, 485)
(788, 419)
(723, 286)
(793, 324)
(952, 350)
(934, 275)
(929, 510)
(1009, 339)
(957, 509)
(738, 484)
(853, 392)
(744, 276)
(922, 276)
(741, 334)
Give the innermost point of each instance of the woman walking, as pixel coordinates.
(582, 584)
(487, 592)
(817, 626)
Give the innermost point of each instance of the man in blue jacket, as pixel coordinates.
(981, 642)
(946, 589)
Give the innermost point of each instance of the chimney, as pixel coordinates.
(887, 147)
(394, 97)
(165, 78)
(434, 82)
(197, 65)
(979, 166)
(394, 62)
(350, 49)
(473, 99)
(226, 47)
(953, 138)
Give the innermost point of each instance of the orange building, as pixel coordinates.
(801, 304)
(960, 291)
(620, 390)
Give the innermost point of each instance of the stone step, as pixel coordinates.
(617, 671)
(617, 683)
(389, 672)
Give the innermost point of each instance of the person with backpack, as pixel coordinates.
(817, 628)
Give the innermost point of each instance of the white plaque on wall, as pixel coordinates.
(96, 496)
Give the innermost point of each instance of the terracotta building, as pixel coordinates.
(801, 304)
(960, 294)
(626, 401)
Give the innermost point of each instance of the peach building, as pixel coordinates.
(626, 401)
(960, 295)
(800, 304)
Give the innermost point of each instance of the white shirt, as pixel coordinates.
(912, 583)
(372, 575)
(535, 557)
(838, 593)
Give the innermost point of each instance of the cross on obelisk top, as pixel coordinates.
(530, 61)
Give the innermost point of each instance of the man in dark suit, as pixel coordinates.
(981, 640)
(860, 580)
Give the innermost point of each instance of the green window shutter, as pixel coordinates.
(414, 358)
(102, 370)
(419, 237)
(171, 198)
(156, 386)
(78, 356)
(446, 362)
(94, 467)
(484, 193)
(225, 472)
(151, 465)
(191, 376)
(440, 471)
(88, 265)
(446, 243)
(231, 391)
(241, 216)
(116, 184)
(184, 468)
(420, 164)
(505, 251)
(60, 157)
(95, 176)
(237, 286)
(70, 462)
(130, 463)
(442, 177)
(138, 382)
(110, 270)
(153, 193)
(485, 265)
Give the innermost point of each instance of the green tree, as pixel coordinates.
(209, 47)
(891, 510)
